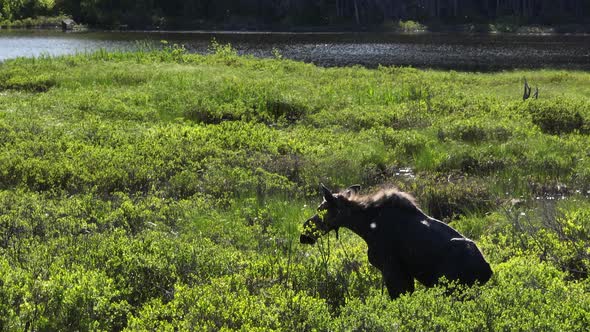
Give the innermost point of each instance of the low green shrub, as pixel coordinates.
(467, 161)
(226, 304)
(449, 197)
(26, 81)
(476, 131)
(499, 306)
(558, 116)
(557, 233)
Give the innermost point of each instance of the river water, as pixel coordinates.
(479, 52)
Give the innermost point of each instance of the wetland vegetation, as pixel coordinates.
(155, 190)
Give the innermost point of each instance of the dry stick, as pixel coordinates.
(539, 244)
(348, 259)
(522, 229)
(551, 222)
(290, 303)
(527, 90)
(325, 259)
(289, 257)
(559, 229)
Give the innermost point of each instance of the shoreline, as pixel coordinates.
(298, 32)
(393, 27)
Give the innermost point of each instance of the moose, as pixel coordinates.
(403, 242)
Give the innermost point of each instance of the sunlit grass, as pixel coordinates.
(142, 189)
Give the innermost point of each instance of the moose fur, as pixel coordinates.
(404, 243)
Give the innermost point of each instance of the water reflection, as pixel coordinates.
(482, 52)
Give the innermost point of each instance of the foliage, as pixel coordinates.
(410, 26)
(560, 116)
(448, 198)
(19, 9)
(558, 232)
(162, 190)
(398, 15)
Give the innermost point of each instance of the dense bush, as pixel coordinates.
(450, 197)
(26, 81)
(559, 116)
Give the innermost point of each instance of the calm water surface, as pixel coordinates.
(482, 52)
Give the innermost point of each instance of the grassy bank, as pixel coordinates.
(506, 25)
(155, 190)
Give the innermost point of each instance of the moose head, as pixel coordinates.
(330, 214)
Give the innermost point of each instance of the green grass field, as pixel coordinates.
(158, 190)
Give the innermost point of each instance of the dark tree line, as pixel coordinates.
(530, 11)
(300, 12)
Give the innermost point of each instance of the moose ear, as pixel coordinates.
(352, 190)
(328, 196)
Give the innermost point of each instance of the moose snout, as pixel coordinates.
(308, 228)
(306, 239)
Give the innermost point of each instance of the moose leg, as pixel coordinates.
(397, 281)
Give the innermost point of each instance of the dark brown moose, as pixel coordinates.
(404, 243)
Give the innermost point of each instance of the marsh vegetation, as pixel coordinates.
(160, 189)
